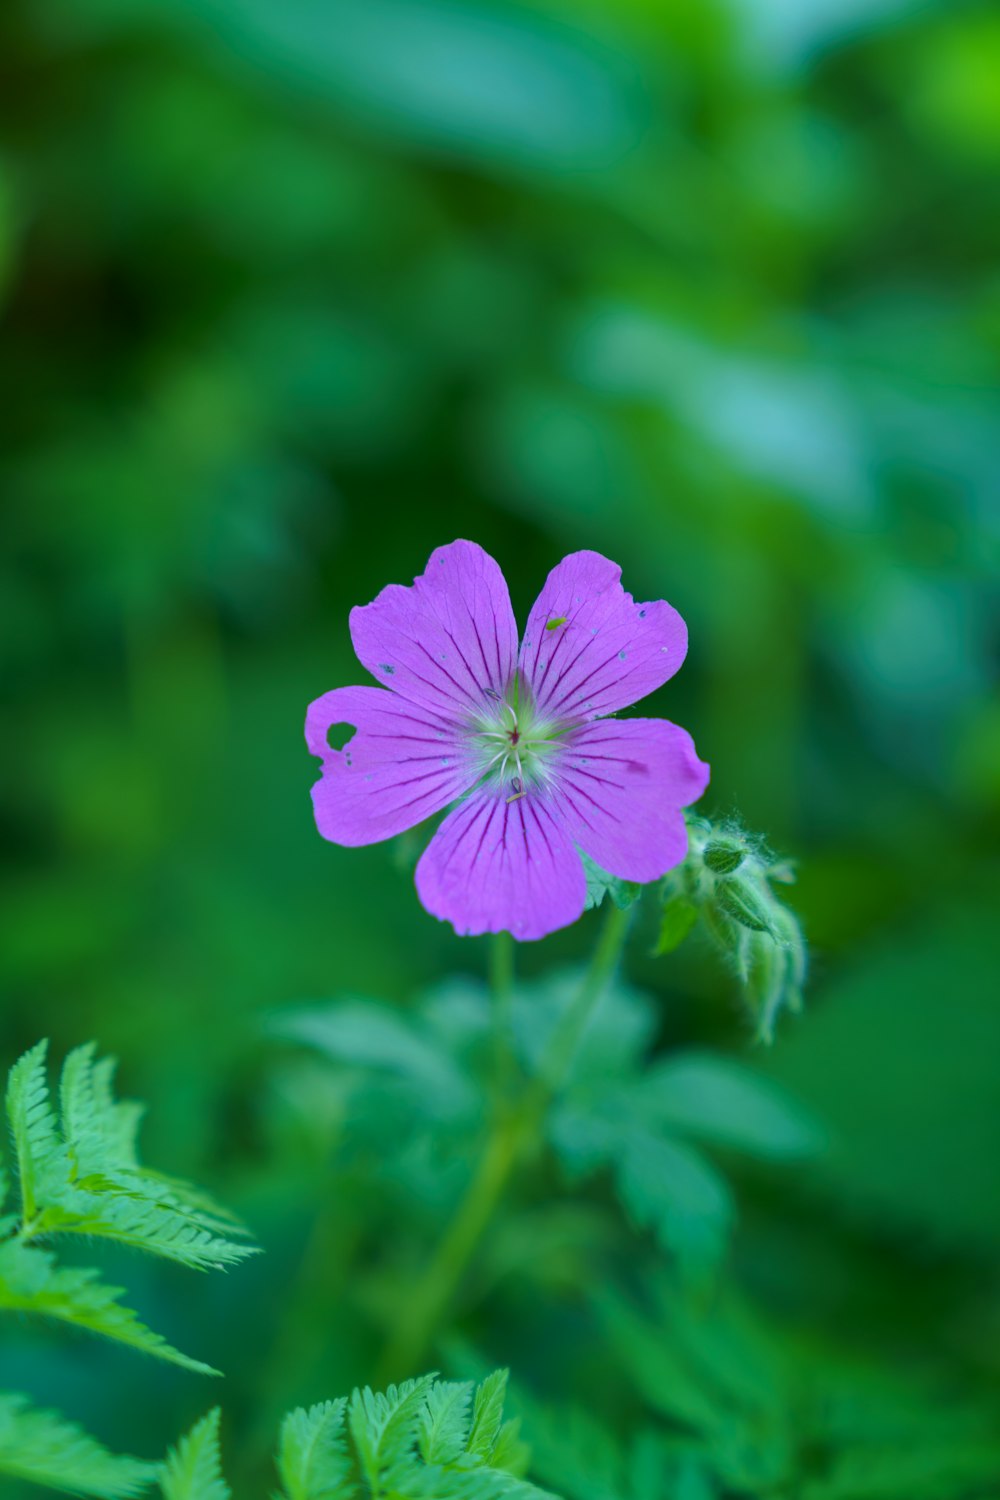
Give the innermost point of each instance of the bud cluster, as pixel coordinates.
(726, 883)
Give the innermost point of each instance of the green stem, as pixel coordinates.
(562, 1049)
(513, 1130)
(502, 987)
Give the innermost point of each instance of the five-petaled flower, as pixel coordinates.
(517, 739)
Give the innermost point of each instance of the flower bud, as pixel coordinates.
(724, 855)
(745, 903)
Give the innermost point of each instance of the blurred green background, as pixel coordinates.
(294, 293)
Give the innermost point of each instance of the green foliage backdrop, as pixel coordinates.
(294, 293)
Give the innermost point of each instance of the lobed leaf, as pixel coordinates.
(313, 1462)
(31, 1281)
(383, 1428)
(444, 1422)
(41, 1156)
(193, 1470)
(45, 1448)
(487, 1415)
(716, 1099)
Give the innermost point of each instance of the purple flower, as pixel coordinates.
(518, 740)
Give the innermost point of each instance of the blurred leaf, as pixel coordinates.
(43, 1447)
(193, 1470)
(725, 1103)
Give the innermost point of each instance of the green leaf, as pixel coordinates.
(601, 884)
(79, 1174)
(672, 1190)
(444, 1424)
(678, 919)
(369, 1035)
(100, 1132)
(43, 1447)
(615, 1038)
(193, 1470)
(384, 1427)
(32, 1282)
(41, 1156)
(487, 1415)
(721, 1101)
(313, 1461)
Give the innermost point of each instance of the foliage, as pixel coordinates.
(709, 287)
(46, 1449)
(78, 1173)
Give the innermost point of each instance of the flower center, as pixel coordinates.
(516, 746)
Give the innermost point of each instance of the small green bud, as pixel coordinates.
(745, 903)
(724, 855)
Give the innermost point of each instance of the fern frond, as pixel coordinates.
(99, 1131)
(80, 1172)
(487, 1416)
(41, 1156)
(384, 1428)
(432, 1482)
(32, 1282)
(313, 1462)
(43, 1447)
(193, 1470)
(145, 1215)
(444, 1422)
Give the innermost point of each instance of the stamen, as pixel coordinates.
(518, 790)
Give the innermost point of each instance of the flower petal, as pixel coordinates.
(449, 642)
(622, 785)
(498, 866)
(397, 769)
(589, 649)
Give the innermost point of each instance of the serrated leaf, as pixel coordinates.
(79, 1174)
(369, 1035)
(46, 1449)
(718, 1100)
(383, 1427)
(99, 1131)
(193, 1470)
(444, 1423)
(487, 1415)
(600, 884)
(32, 1282)
(41, 1156)
(313, 1461)
(667, 1187)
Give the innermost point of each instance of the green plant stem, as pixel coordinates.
(514, 1129)
(502, 988)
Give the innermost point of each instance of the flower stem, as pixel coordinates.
(502, 988)
(514, 1129)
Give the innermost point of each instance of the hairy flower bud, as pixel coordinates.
(724, 855)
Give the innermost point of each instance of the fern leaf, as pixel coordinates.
(509, 1452)
(99, 1131)
(487, 1415)
(384, 1428)
(41, 1156)
(80, 1174)
(32, 1282)
(313, 1462)
(43, 1447)
(431, 1482)
(444, 1422)
(193, 1470)
(147, 1216)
